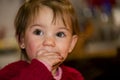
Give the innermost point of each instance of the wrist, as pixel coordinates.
(47, 65)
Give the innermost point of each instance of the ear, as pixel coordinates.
(20, 42)
(73, 42)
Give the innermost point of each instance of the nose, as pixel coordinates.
(49, 41)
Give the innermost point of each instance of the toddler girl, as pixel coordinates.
(46, 31)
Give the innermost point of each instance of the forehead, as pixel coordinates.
(54, 16)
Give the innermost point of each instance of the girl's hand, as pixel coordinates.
(53, 59)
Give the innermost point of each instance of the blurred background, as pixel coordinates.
(97, 53)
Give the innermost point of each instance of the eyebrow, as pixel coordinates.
(64, 27)
(35, 25)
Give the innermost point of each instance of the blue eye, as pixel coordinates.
(38, 32)
(60, 34)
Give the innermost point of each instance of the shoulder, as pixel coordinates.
(70, 69)
(15, 66)
(72, 72)
(17, 70)
(12, 69)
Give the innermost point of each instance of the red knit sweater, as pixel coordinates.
(22, 70)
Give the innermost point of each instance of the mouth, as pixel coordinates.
(49, 51)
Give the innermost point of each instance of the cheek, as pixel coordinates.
(64, 49)
(64, 52)
(31, 49)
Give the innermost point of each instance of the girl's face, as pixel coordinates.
(43, 34)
